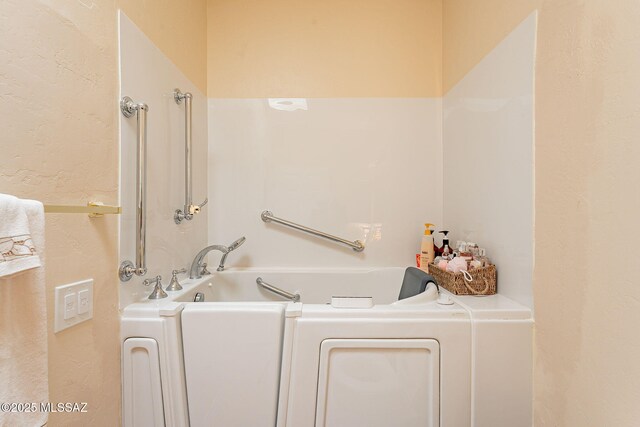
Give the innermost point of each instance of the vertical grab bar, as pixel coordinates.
(127, 268)
(189, 209)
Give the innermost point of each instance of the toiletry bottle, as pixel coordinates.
(437, 249)
(427, 251)
(482, 257)
(473, 249)
(445, 250)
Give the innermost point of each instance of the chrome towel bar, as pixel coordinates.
(356, 245)
(127, 268)
(278, 291)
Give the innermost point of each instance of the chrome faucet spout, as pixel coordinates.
(195, 270)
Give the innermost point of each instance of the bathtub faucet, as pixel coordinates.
(195, 272)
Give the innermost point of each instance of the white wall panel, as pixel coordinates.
(147, 75)
(368, 169)
(488, 159)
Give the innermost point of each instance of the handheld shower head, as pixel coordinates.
(232, 247)
(235, 245)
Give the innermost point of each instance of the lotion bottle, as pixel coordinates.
(427, 250)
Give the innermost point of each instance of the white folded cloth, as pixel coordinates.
(17, 251)
(23, 320)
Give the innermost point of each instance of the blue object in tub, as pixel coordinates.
(415, 282)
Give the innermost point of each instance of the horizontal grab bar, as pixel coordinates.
(356, 245)
(278, 291)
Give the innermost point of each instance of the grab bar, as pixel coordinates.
(278, 291)
(127, 268)
(189, 208)
(356, 245)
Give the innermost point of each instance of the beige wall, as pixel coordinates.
(472, 28)
(331, 48)
(59, 144)
(586, 287)
(179, 29)
(587, 210)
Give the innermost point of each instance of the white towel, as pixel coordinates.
(17, 251)
(23, 332)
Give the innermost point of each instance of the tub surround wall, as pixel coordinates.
(488, 159)
(349, 166)
(148, 76)
(368, 169)
(257, 52)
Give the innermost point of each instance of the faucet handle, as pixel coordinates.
(157, 292)
(188, 213)
(174, 284)
(204, 270)
(195, 209)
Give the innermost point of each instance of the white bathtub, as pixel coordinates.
(246, 357)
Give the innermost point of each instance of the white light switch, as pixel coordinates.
(83, 301)
(70, 306)
(73, 304)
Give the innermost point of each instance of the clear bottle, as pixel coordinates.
(482, 257)
(472, 248)
(463, 251)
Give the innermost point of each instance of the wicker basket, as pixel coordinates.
(484, 280)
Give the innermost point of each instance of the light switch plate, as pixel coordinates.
(73, 304)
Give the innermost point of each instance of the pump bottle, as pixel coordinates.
(427, 251)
